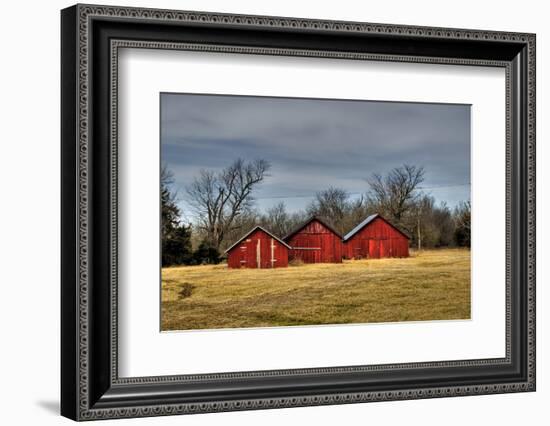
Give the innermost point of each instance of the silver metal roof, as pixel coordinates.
(360, 226)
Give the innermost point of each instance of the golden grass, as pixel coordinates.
(429, 285)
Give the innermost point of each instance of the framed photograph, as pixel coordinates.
(263, 212)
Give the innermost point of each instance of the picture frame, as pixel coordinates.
(90, 385)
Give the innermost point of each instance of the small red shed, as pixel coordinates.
(374, 238)
(315, 241)
(259, 248)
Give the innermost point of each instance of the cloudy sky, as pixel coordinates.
(313, 143)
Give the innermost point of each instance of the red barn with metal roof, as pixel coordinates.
(374, 238)
(315, 242)
(259, 248)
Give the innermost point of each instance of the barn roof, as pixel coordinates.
(250, 232)
(307, 222)
(366, 222)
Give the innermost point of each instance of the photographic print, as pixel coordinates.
(279, 211)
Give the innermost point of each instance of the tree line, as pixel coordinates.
(224, 208)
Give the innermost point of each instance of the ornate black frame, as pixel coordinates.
(91, 37)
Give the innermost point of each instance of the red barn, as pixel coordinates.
(258, 249)
(315, 242)
(374, 238)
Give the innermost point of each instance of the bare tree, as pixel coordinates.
(443, 221)
(422, 220)
(241, 224)
(277, 219)
(396, 193)
(358, 210)
(219, 198)
(332, 205)
(338, 208)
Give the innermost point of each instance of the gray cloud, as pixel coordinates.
(315, 143)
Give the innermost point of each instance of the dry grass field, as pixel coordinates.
(429, 285)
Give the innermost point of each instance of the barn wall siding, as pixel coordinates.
(315, 243)
(377, 239)
(246, 253)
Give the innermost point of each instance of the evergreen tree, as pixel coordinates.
(463, 215)
(175, 236)
(206, 254)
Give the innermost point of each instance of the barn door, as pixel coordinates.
(258, 253)
(272, 247)
(374, 249)
(317, 255)
(383, 248)
(316, 240)
(364, 249)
